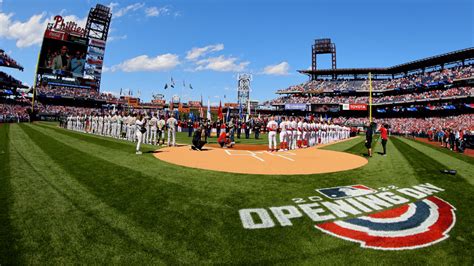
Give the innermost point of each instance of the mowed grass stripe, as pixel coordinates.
(457, 250)
(66, 214)
(466, 169)
(381, 171)
(110, 143)
(342, 146)
(460, 156)
(166, 208)
(8, 244)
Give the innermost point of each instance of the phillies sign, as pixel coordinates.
(68, 27)
(389, 218)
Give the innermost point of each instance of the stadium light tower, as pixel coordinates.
(323, 46)
(243, 88)
(98, 22)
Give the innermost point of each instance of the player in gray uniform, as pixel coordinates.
(171, 124)
(113, 125)
(153, 127)
(100, 125)
(146, 135)
(140, 129)
(118, 131)
(161, 126)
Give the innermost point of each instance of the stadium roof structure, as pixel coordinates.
(7, 61)
(421, 64)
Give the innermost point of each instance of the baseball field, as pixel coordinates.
(68, 197)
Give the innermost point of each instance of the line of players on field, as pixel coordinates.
(294, 132)
(297, 132)
(132, 127)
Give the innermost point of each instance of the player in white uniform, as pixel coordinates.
(289, 132)
(312, 135)
(283, 134)
(299, 134)
(171, 123)
(272, 128)
(294, 137)
(305, 136)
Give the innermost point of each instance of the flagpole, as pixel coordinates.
(370, 97)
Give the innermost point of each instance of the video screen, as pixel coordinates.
(64, 57)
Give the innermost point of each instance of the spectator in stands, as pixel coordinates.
(77, 65)
(62, 62)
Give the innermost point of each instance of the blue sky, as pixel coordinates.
(207, 43)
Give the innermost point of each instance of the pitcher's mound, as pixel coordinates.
(302, 161)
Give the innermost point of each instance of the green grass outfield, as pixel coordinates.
(68, 197)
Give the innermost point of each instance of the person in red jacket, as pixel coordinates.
(384, 136)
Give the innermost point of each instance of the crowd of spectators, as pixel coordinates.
(7, 61)
(445, 76)
(75, 93)
(9, 81)
(415, 126)
(13, 113)
(434, 94)
(19, 112)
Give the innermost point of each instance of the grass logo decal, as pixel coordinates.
(388, 218)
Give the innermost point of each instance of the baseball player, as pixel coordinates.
(289, 133)
(272, 128)
(171, 123)
(161, 125)
(283, 134)
(294, 137)
(153, 122)
(140, 129)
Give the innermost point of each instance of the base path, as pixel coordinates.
(301, 161)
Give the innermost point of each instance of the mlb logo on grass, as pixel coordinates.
(346, 191)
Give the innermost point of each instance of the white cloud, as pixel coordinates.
(123, 11)
(197, 52)
(30, 32)
(157, 11)
(221, 64)
(112, 6)
(117, 38)
(146, 63)
(278, 69)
